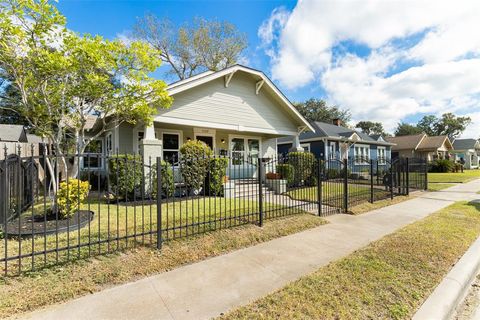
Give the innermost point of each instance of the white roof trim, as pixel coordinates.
(216, 125)
(202, 78)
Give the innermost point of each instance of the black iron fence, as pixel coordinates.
(124, 201)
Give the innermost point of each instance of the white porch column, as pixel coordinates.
(150, 147)
(296, 147)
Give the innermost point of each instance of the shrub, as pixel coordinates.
(70, 195)
(217, 171)
(286, 171)
(125, 174)
(195, 159)
(168, 184)
(304, 163)
(441, 165)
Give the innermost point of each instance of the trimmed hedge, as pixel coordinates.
(286, 171)
(442, 165)
(195, 160)
(304, 164)
(70, 195)
(168, 183)
(128, 181)
(217, 170)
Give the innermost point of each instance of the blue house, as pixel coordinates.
(332, 141)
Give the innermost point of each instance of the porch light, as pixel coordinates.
(223, 140)
(188, 139)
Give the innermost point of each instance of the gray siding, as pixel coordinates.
(236, 105)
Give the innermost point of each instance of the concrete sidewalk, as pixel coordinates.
(214, 286)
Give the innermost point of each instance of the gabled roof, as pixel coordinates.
(466, 144)
(263, 81)
(333, 132)
(12, 133)
(434, 142)
(377, 137)
(406, 142)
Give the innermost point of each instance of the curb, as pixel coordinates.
(441, 304)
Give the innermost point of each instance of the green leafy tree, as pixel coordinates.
(451, 125)
(406, 129)
(317, 110)
(428, 125)
(64, 78)
(192, 48)
(370, 127)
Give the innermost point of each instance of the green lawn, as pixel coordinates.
(453, 177)
(179, 219)
(439, 186)
(64, 282)
(332, 193)
(388, 279)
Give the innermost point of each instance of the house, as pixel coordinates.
(467, 151)
(421, 146)
(237, 111)
(12, 133)
(334, 141)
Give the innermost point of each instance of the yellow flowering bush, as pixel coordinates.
(70, 195)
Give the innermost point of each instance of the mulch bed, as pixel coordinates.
(26, 226)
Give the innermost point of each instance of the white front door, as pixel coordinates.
(244, 152)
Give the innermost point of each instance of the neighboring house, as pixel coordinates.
(237, 111)
(333, 141)
(467, 151)
(12, 133)
(421, 146)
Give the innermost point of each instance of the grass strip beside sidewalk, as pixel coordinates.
(61, 283)
(388, 279)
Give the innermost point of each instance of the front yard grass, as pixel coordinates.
(439, 186)
(60, 283)
(454, 177)
(111, 222)
(388, 279)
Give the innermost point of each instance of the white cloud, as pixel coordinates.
(424, 55)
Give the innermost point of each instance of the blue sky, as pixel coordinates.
(111, 18)
(385, 61)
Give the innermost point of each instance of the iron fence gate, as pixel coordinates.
(134, 201)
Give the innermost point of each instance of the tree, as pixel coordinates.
(405, 129)
(63, 78)
(370, 127)
(451, 125)
(428, 125)
(192, 48)
(317, 110)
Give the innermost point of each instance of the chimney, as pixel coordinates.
(337, 122)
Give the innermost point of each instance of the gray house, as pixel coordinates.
(237, 111)
(467, 151)
(334, 141)
(12, 133)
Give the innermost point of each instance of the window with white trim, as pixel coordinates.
(332, 150)
(361, 154)
(93, 155)
(305, 146)
(381, 155)
(109, 143)
(171, 146)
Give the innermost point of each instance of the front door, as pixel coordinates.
(244, 153)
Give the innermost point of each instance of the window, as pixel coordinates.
(171, 147)
(305, 146)
(244, 150)
(93, 158)
(381, 155)
(332, 150)
(362, 154)
(108, 143)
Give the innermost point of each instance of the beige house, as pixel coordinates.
(421, 146)
(237, 111)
